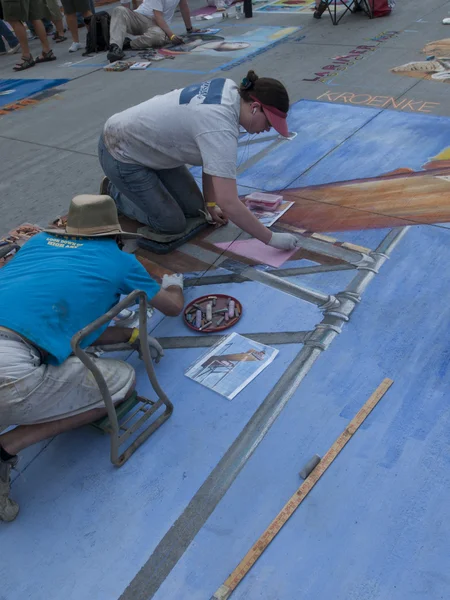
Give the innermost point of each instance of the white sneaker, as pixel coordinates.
(75, 47)
(14, 49)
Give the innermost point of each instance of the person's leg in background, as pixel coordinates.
(140, 195)
(16, 13)
(8, 35)
(47, 24)
(47, 53)
(71, 8)
(54, 13)
(80, 19)
(49, 27)
(37, 12)
(21, 34)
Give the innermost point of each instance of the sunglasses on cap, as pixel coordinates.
(277, 118)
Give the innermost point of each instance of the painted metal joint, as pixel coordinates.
(373, 262)
(347, 295)
(322, 335)
(332, 303)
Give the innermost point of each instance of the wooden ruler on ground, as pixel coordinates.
(225, 590)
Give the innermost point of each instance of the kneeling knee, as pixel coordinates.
(176, 224)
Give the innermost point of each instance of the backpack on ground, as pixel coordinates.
(381, 8)
(97, 39)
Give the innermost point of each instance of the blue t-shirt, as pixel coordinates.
(57, 285)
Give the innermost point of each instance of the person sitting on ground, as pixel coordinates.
(150, 22)
(71, 8)
(17, 12)
(144, 151)
(57, 284)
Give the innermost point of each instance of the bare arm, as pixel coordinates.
(114, 335)
(169, 301)
(161, 23)
(186, 14)
(224, 192)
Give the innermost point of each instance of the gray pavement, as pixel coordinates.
(48, 150)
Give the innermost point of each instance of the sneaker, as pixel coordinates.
(8, 508)
(75, 47)
(104, 187)
(14, 49)
(126, 44)
(115, 53)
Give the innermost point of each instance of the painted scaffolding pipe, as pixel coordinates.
(324, 301)
(173, 545)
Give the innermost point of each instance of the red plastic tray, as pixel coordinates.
(222, 302)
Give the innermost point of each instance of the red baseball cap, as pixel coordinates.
(277, 118)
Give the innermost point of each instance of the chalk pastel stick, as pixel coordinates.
(198, 318)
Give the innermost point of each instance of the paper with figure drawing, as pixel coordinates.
(231, 365)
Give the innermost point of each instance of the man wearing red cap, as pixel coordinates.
(144, 151)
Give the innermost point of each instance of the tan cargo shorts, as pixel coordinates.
(33, 392)
(23, 10)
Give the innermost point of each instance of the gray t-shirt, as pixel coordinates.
(197, 125)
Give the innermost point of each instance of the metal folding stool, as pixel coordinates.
(120, 432)
(350, 6)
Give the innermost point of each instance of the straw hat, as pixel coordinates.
(93, 216)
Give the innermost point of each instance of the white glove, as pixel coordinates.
(283, 241)
(156, 351)
(175, 279)
(155, 348)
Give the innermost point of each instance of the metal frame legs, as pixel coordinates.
(121, 432)
(350, 6)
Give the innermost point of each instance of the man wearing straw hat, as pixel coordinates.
(59, 282)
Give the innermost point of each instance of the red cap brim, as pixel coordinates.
(277, 120)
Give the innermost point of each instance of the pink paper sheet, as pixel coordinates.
(258, 252)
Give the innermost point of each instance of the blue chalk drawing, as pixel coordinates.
(377, 526)
(12, 90)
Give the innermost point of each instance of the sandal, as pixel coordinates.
(59, 38)
(46, 57)
(26, 63)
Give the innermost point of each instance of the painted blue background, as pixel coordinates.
(24, 88)
(376, 527)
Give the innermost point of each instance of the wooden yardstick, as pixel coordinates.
(227, 588)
